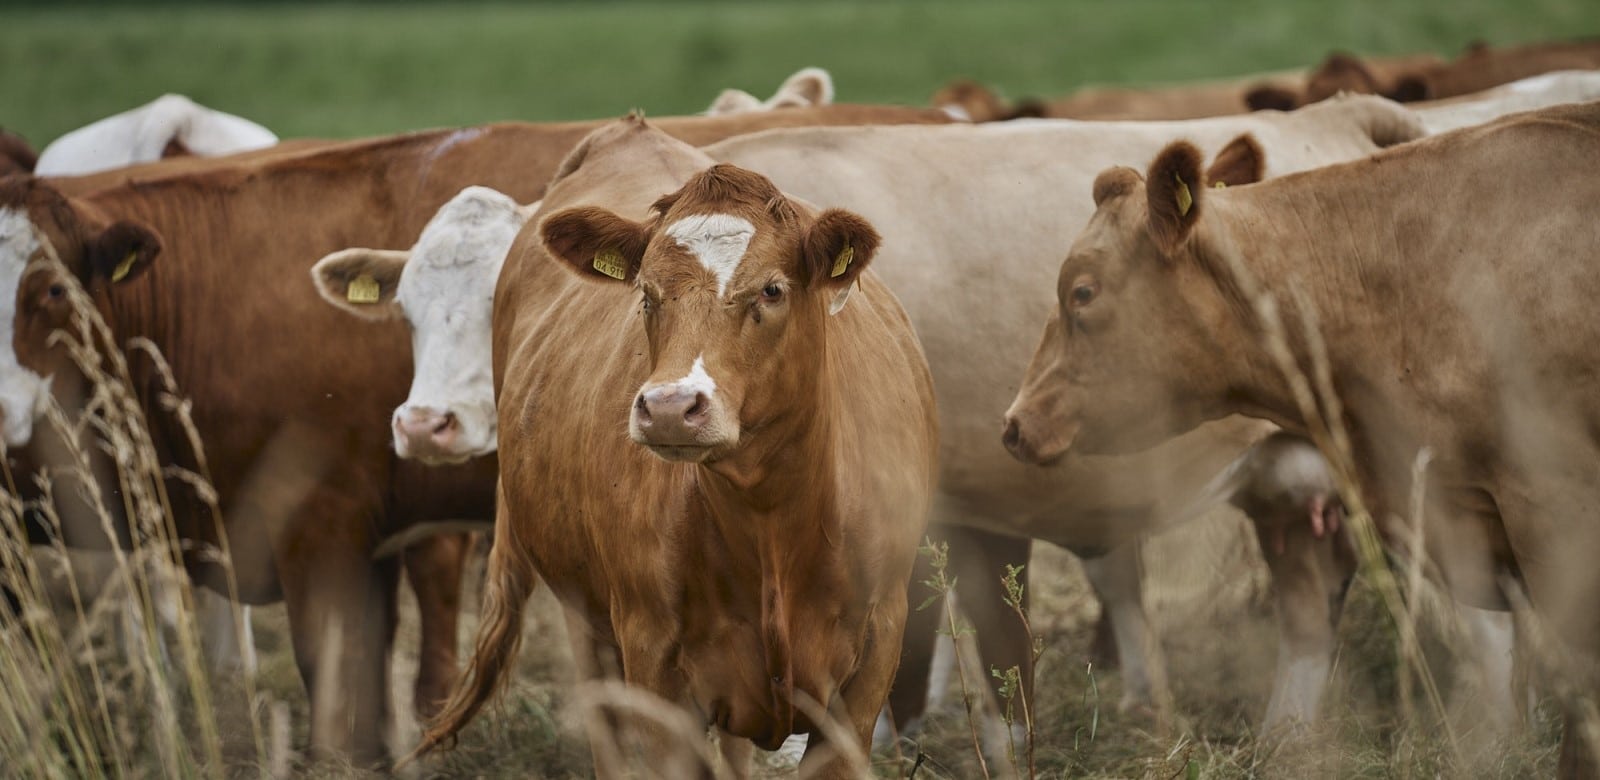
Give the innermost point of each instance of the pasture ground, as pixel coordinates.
(354, 69)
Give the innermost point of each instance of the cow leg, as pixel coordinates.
(434, 568)
(858, 702)
(225, 635)
(1310, 576)
(1118, 579)
(342, 614)
(1493, 662)
(1003, 641)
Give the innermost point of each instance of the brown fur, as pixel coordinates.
(16, 156)
(237, 237)
(1177, 167)
(774, 567)
(833, 230)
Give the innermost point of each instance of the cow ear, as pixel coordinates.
(1113, 183)
(806, 87)
(596, 243)
(121, 253)
(1173, 189)
(835, 249)
(733, 101)
(1268, 97)
(362, 281)
(1410, 89)
(1242, 161)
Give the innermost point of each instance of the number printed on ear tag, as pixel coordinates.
(1185, 200)
(610, 263)
(362, 289)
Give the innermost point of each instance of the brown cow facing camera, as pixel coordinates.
(717, 445)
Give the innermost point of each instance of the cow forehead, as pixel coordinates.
(717, 240)
(469, 229)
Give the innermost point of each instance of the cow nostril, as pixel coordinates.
(699, 407)
(445, 424)
(641, 409)
(1012, 436)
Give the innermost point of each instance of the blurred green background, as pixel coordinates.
(365, 68)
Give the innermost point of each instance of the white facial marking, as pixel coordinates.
(719, 241)
(447, 293)
(22, 393)
(698, 380)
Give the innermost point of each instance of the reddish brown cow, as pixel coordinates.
(750, 548)
(232, 308)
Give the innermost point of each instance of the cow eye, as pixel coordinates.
(1084, 293)
(57, 291)
(771, 292)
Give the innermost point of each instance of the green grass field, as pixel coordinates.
(346, 70)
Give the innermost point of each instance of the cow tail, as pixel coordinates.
(510, 582)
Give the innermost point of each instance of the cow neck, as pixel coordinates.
(1340, 275)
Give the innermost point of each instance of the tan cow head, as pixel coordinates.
(39, 296)
(1128, 342)
(737, 284)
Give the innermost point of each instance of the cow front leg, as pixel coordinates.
(856, 705)
(434, 568)
(342, 614)
(1118, 579)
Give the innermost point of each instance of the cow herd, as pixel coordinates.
(714, 380)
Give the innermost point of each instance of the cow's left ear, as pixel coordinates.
(1174, 188)
(1240, 162)
(836, 248)
(121, 253)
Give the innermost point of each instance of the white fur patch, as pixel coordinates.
(719, 241)
(22, 392)
(141, 134)
(698, 380)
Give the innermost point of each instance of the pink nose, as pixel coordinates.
(671, 413)
(425, 430)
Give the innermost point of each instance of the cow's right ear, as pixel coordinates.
(362, 281)
(1173, 190)
(596, 243)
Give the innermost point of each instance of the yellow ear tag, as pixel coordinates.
(842, 262)
(610, 263)
(1185, 200)
(362, 289)
(121, 271)
(1221, 185)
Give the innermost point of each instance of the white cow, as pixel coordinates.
(144, 134)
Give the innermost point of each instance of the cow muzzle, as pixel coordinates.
(23, 399)
(677, 422)
(430, 435)
(1031, 443)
